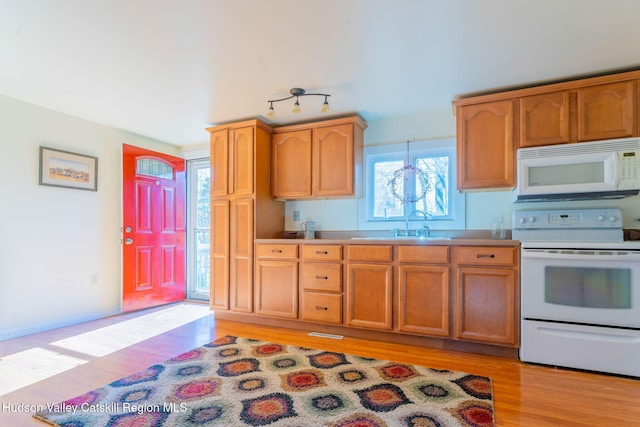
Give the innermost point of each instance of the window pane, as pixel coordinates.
(203, 197)
(201, 249)
(436, 202)
(385, 205)
(155, 168)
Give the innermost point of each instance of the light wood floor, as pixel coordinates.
(56, 365)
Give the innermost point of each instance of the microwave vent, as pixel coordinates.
(626, 144)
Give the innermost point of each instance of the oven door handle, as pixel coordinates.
(582, 255)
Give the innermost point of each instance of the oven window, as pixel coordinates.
(588, 287)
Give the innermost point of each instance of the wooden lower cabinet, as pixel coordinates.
(321, 283)
(219, 252)
(487, 294)
(321, 307)
(241, 255)
(468, 294)
(369, 297)
(423, 300)
(277, 281)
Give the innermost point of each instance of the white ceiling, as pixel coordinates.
(168, 68)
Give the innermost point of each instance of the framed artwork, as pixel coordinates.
(65, 169)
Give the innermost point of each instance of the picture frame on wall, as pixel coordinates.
(60, 168)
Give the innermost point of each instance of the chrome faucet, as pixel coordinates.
(406, 223)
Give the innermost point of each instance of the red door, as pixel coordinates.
(153, 233)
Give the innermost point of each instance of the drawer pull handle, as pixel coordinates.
(276, 251)
(485, 256)
(321, 308)
(322, 252)
(322, 277)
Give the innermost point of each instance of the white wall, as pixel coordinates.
(341, 215)
(481, 207)
(52, 239)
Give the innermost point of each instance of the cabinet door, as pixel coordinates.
(369, 295)
(607, 111)
(219, 163)
(545, 119)
(219, 286)
(291, 165)
(485, 144)
(423, 296)
(333, 161)
(277, 288)
(241, 174)
(486, 305)
(241, 255)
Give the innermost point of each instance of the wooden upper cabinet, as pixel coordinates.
(317, 160)
(219, 163)
(232, 153)
(241, 174)
(291, 164)
(333, 160)
(607, 111)
(546, 119)
(485, 144)
(589, 109)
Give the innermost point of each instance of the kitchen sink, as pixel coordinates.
(401, 238)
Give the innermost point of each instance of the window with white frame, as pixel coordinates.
(400, 181)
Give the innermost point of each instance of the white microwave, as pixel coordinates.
(585, 170)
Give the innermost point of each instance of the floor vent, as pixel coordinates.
(321, 335)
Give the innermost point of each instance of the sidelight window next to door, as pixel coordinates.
(198, 203)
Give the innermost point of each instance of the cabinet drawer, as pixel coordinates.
(424, 254)
(277, 251)
(322, 276)
(320, 252)
(325, 308)
(486, 255)
(369, 253)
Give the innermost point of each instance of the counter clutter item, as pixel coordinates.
(309, 228)
(498, 229)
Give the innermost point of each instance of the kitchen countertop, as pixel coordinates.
(394, 241)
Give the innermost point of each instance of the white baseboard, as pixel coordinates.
(9, 334)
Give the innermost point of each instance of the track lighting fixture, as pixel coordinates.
(296, 93)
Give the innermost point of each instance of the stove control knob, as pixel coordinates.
(527, 219)
(612, 218)
(600, 218)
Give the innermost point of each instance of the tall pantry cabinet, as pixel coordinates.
(241, 210)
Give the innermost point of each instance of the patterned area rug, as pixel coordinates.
(243, 382)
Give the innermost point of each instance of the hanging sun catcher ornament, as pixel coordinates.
(400, 177)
